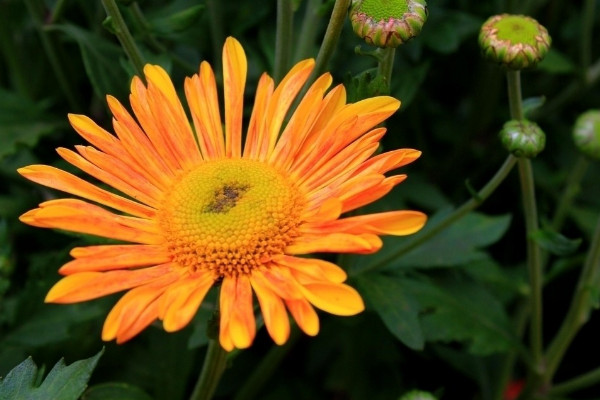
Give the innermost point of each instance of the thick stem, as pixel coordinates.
(515, 101)
(332, 34)
(460, 212)
(583, 381)
(283, 39)
(580, 307)
(212, 369)
(124, 36)
(386, 65)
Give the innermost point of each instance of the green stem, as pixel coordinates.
(386, 65)
(212, 369)
(52, 53)
(579, 309)
(515, 101)
(568, 195)
(588, 379)
(283, 39)
(124, 36)
(534, 254)
(332, 34)
(308, 30)
(268, 364)
(534, 264)
(460, 212)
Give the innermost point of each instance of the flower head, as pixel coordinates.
(586, 134)
(514, 41)
(197, 209)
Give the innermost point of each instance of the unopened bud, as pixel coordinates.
(586, 133)
(523, 138)
(386, 23)
(514, 41)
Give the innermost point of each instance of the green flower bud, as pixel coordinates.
(514, 41)
(523, 138)
(586, 133)
(387, 23)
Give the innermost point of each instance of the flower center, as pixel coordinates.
(230, 216)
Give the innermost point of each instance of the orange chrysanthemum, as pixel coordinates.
(200, 210)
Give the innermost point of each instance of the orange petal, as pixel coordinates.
(335, 298)
(97, 136)
(273, 311)
(335, 243)
(282, 99)
(300, 124)
(181, 311)
(84, 286)
(237, 313)
(111, 257)
(315, 268)
(256, 142)
(201, 94)
(387, 223)
(390, 160)
(123, 321)
(328, 210)
(305, 315)
(79, 216)
(235, 67)
(69, 183)
(371, 192)
(280, 281)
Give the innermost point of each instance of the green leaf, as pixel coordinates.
(364, 85)
(556, 62)
(115, 391)
(62, 383)
(463, 311)
(178, 21)
(23, 122)
(99, 59)
(407, 84)
(459, 244)
(389, 297)
(554, 242)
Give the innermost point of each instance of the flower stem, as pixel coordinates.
(460, 212)
(214, 366)
(534, 255)
(332, 34)
(581, 304)
(283, 38)
(588, 379)
(386, 65)
(124, 36)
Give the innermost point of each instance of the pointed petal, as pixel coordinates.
(256, 141)
(186, 302)
(388, 161)
(335, 243)
(335, 298)
(69, 183)
(79, 216)
(235, 68)
(273, 311)
(112, 257)
(305, 315)
(84, 286)
(201, 94)
(316, 269)
(372, 191)
(387, 223)
(237, 313)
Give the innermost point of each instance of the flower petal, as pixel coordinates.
(335, 243)
(186, 302)
(335, 298)
(237, 313)
(112, 257)
(305, 315)
(235, 67)
(315, 268)
(387, 223)
(273, 311)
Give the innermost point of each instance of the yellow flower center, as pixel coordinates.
(230, 216)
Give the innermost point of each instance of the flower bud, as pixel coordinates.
(385, 23)
(514, 41)
(586, 133)
(523, 138)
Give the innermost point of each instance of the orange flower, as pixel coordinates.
(198, 209)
